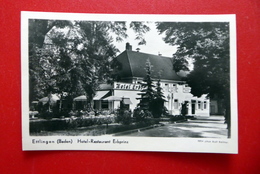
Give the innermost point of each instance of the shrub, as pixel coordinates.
(92, 113)
(47, 115)
(174, 118)
(190, 117)
(90, 121)
(124, 116)
(141, 115)
(69, 123)
(105, 112)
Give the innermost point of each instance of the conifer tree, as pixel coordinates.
(147, 94)
(159, 93)
(158, 102)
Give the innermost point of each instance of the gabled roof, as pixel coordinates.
(133, 65)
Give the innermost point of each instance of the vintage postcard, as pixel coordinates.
(126, 82)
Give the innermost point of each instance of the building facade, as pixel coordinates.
(132, 72)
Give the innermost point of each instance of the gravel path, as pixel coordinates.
(210, 127)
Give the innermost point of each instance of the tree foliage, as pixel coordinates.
(71, 59)
(73, 56)
(206, 44)
(147, 94)
(152, 98)
(140, 28)
(157, 105)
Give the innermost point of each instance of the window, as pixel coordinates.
(175, 104)
(166, 87)
(205, 105)
(104, 104)
(199, 105)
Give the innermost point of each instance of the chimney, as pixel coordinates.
(128, 47)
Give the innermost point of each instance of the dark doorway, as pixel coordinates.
(193, 106)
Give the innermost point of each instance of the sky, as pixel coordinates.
(154, 43)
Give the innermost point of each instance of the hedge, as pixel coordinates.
(68, 123)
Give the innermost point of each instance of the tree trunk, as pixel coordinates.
(227, 115)
(49, 101)
(227, 120)
(60, 106)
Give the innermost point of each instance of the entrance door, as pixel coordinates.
(187, 107)
(193, 106)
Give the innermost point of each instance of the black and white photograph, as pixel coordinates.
(129, 82)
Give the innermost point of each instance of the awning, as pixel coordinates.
(113, 98)
(80, 98)
(127, 101)
(53, 99)
(100, 94)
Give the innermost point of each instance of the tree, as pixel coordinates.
(207, 45)
(72, 59)
(152, 98)
(147, 94)
(38, 56)
(157, 105)
(73, 56)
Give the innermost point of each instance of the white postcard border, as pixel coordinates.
(205, 145)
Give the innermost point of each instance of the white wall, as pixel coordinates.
(127, 94)
(172, 92)
(181, 93)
